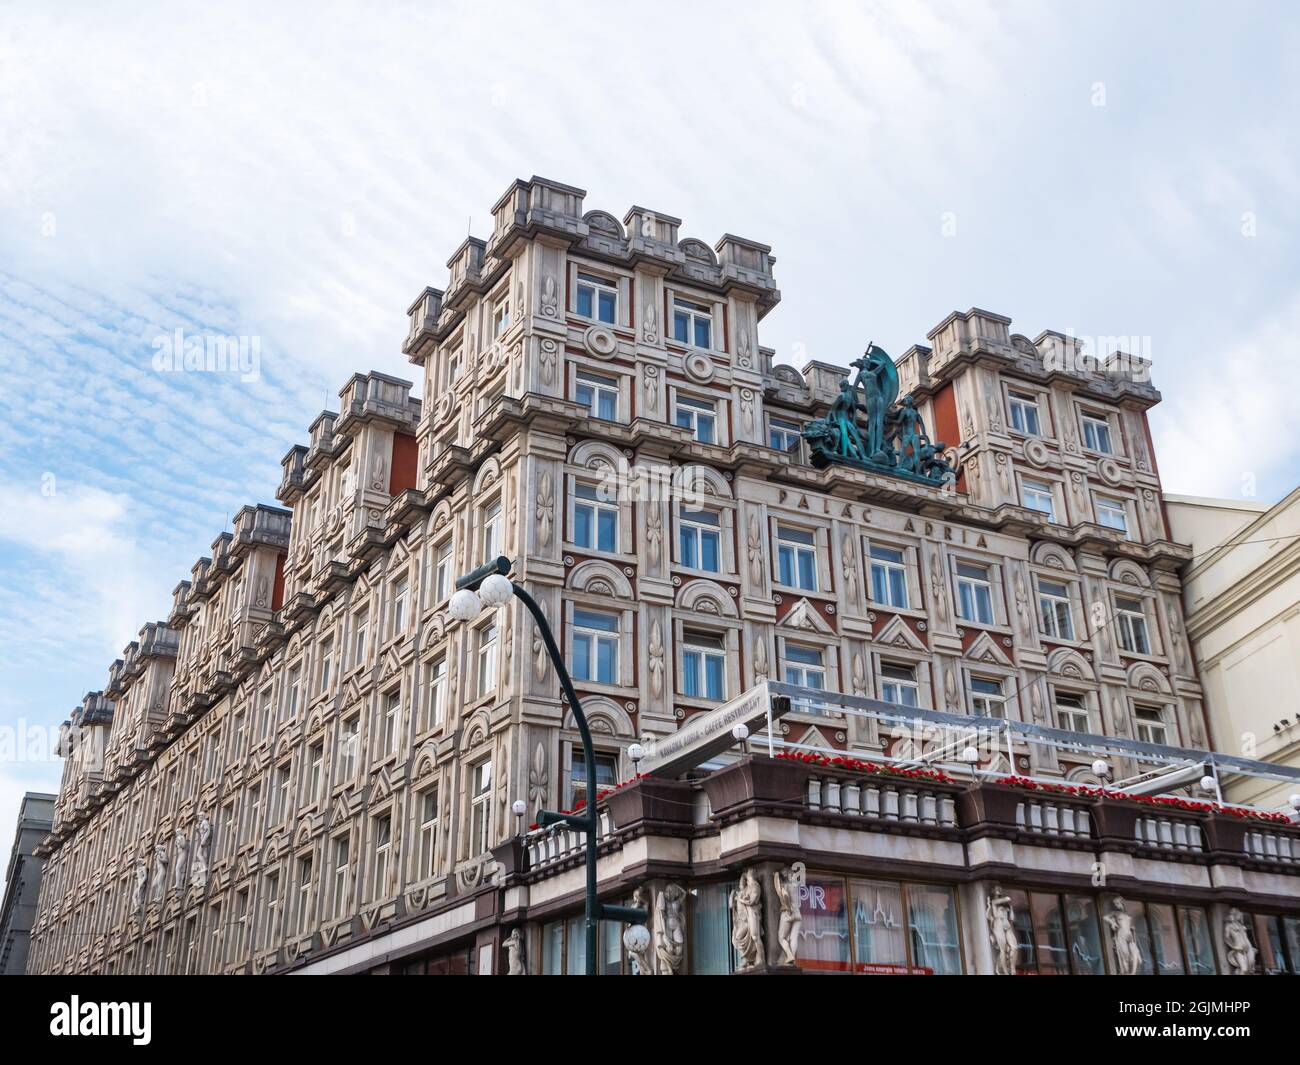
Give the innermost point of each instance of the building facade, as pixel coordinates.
(23, 881)
(1242, 600)
(308, 766)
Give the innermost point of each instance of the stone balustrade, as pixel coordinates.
(883, 798)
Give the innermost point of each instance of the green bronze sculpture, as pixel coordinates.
(866, 427)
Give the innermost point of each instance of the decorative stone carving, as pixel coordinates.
(670, 929)
(600, 341)
(1002, 931)
(182, 862)
(762, 668)
(650, 387)
(1124, 942)
(859, 676)
(754, 547)
(1035, 702)
(538, 778)
(263, 592)
(545, 507)
(938, 589)
(743, 348)
(849, 567)
(158, 886)
(550, 297)
(378, 472)
(787, 883)
(1236, 940)
(656, 658)
(654, 533)
(747, 409)
(548, 349)
(202, 845)
(698, 367)
(1024, 623)
(747, 919)
(515, 953)
(650, 324)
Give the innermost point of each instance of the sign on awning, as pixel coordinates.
(705, 735)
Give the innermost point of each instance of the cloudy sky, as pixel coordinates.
(296, 175)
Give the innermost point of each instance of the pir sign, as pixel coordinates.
(705, 735)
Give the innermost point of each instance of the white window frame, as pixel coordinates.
(601, 388)
(1068, 716)
(693, 314)
(791, 545)
(585, 635)
(1053, 608)
(588, 498)
(1109, 505)
(1097, 427)
(1022, 409)
(975, 584)
(480, 806)
(304, 892)
(985, 703)
(401, 599)
(500, 320)
(490, 530)
(1149, 730)
(694, 412)
(435, 710)
(383, 847)
(487, 638)
(891, 570)
(787, 429)
(427, 848)
(443, 569)
(1129, 622)
(696, 526)
(1034, 494)
(341, 855)
(893, 685)
(597, 287)
(390, 721)
(577, 785)
(699, 651)
(349, 747)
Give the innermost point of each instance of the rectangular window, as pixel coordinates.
(805, 666)
(704, 667)
(291, 701)
(360, 626)
(898, 685)
(315, 765)
(700, 539)
(796, 556)
(339, 902)
(974, 594)
(595, 647)
(1131, 622)
(888, 577)
(492, 542)
(265, 714)
(282, 784)
(237, 738)
(442, 576)
(1112, 514)
(1096, 433)
(598, 394)
(383, 835)
(401, 591)
(437, 693)
(349, 744)
(1037, 495)
(1071, 712)
(597, 298)
(455, 363)
(304, 895)
(1150, 724)
(595, 522)
(253, 821)
(326, 661)
(500, 316)
(480, 808)
(270, 931)
(1054, 614)
(782, 435)
(392, 720)
(428, 834)
(487, 658)
(606, 775)
(986, 697)
(241, 925)
(692, 324)
(700, 416)
(1024, 413)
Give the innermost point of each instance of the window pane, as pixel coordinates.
(1164, 938)
(608, 302)
(1085, 936)
(824, 942)
(702, 333)
(681, 326)
(716, 685)
(582, 526)
(1049, 935)
(607, 662)
(691, 673)
(709, 551)
(584, 300)
(1197, 945)
(711, 931)
(608, 406)
(581, 657)
(608, 522)
(932, 926)
(690, 556)
(878, 942)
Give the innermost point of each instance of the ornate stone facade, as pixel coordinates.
(320, 754)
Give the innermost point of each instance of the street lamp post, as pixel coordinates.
(490, 585)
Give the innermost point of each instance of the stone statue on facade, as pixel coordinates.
(1002, 931)
(1123, 933)
(1236, 939)
(182, 862)
(158, 887)
(788, 884)
(638, 944)
(141, 879)
(877, 382)
(747, 919)
(670, 929)
(199, 864)
(515, 954)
